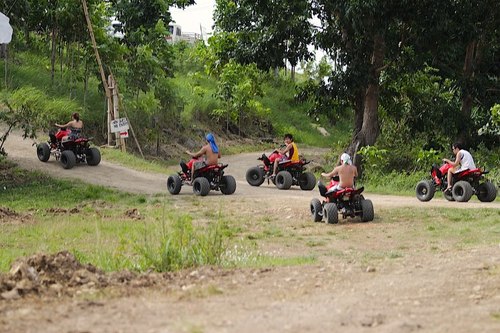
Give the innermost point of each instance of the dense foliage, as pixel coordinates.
(410, 77)
(421, 67)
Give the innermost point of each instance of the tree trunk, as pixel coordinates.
(359, 107)
(370, 127)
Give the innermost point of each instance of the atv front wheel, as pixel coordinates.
(93, 156)
(68, 159)
(486, 192)
(462, 191)
(316, 210)
(255, 176)
(307, 181)
(227, 185)
(331, 213)
(425, 190)
(201, 186)
(43, 152)
(284, 180)
(174, 184)
(367, 213)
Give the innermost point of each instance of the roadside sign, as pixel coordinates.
(124, 134)
(119, 125)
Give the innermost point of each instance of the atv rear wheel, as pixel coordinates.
(425, 190)
(227, 185)
(283, 180)
(486, 192)
(367, 213)
(316, 210)
(68, 159)
(307, 181)
(462, 191)
(93, 156)
(43, 151)
(331, 213)
(174, 184)
(201, 186)
(255, 176)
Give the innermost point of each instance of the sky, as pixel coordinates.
(193, 16)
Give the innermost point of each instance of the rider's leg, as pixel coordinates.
(449, 176)
(275, 167)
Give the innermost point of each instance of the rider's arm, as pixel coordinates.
(65, 125)
(453, 163)
(330, 174)
(198, 154)
(286, 149)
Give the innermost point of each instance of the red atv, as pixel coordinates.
(69, 151)
(209, 177)
(465, 184)
(289, 173)
(349, 202)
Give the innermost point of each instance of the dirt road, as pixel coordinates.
(424, 290)
(125, 179)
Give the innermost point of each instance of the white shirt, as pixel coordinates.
(466, 160)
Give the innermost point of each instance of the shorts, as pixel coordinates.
(334, 188)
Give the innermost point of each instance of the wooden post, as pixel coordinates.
(110, 111)
(120, 142)
(129, 124)
(101, 70)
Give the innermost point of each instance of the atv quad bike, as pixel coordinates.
(348, 202)
(69, 151)
(289, 173)
(209, 177)
(465, 184)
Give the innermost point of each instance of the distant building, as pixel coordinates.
(115, 28)
(176, 35)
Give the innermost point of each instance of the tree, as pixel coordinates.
(364, 37)
(268, 33)
(466, 50)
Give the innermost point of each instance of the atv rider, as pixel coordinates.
(346, 172)
(210, 152)
(74, 128)
(290, 153)
(462, 158)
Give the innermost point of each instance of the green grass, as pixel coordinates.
(116, 231)
(137, 163)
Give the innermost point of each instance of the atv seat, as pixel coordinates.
(213, 167)
(467, 172)
(345, 191)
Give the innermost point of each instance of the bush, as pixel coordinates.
(182, 245)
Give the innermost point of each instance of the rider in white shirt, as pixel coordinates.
(462, 158)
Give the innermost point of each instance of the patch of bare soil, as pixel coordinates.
(8, 215)
(62, 275)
